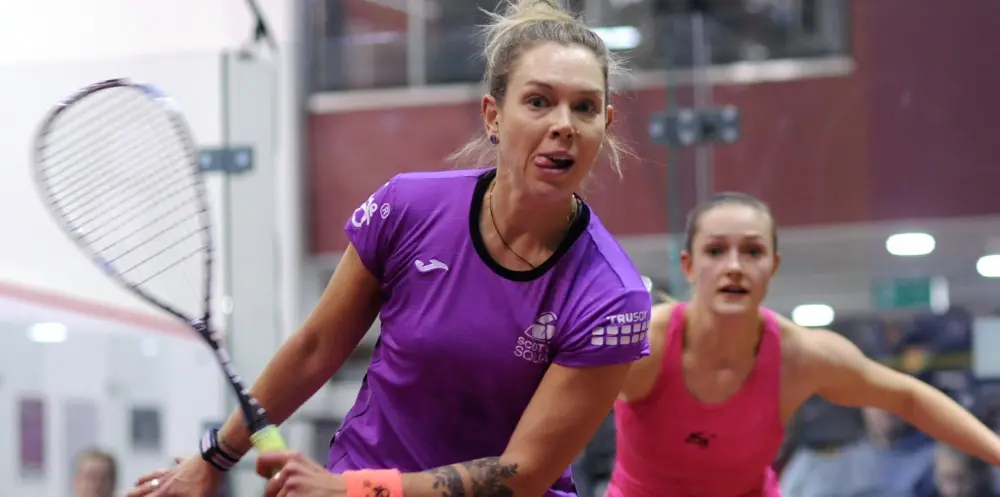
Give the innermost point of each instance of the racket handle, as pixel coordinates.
(268, 439)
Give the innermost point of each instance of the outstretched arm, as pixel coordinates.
(565, 412)
(845, 376)
(309, 358)
(568, 406)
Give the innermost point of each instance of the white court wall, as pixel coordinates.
(75, 30)
(88, 386)
(35, 252)
(48, 49)
(105, 369)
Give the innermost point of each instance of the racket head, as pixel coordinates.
(116, 166)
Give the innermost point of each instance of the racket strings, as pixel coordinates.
(91, 168)
(105, 232)
(94, 209)
(122, 176)
(60, 141)
(124, 221)
(158, 253)
(83, 190)
(87, 197)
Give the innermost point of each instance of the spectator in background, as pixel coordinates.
(935, 349)
(826, 452)
(988, 409)
(828, 455)
(956, 475)
(95, 474)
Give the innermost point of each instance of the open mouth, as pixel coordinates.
(734, 290)
(555, 161)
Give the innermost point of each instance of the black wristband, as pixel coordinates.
(214, 454)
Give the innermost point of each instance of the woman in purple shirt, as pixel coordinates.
(510, 316)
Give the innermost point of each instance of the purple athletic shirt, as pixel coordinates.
(465, 342)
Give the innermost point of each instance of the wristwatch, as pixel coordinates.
(213, 452)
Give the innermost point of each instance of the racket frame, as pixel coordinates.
(263, 434)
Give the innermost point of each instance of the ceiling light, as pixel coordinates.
(619, 37)
(910, 244)
(48, 333)
(813, 315)
(988, 266)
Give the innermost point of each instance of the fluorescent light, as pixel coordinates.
(48, 333)
(910, 244)
(988, 266)
(813, 315)
(619, 37)
(940, 295)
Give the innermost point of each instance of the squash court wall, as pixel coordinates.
(105, 367)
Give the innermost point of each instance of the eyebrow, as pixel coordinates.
(588, 90)
(748, 236)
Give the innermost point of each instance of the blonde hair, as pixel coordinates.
(523, 25)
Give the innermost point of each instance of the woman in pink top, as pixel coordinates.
(703, 415)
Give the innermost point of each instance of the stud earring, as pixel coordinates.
(493, 139)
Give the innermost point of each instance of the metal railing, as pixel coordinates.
(364, 44)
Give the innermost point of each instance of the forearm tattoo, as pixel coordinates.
(448, 480)
(486, 477)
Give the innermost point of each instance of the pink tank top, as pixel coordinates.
(672, 445)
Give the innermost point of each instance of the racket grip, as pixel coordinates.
(268, 439)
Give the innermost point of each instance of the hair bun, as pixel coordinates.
(517, 16)
(536, 10)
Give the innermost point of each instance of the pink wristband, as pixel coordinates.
(374, 483)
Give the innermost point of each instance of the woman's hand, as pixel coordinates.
(192, 476)
(295, 475)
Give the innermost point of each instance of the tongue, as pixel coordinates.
(542, 161)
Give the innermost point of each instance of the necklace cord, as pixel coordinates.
(489, 201)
